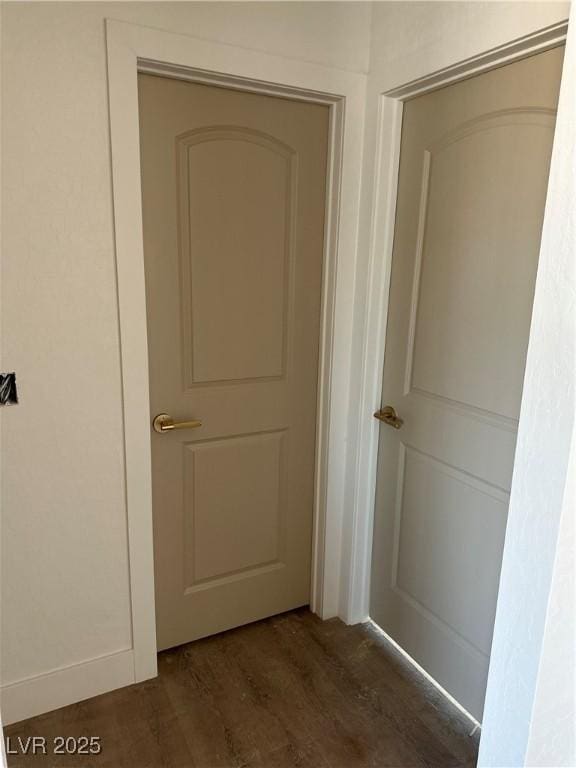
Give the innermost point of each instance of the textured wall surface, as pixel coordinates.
(552, 738)
(412, 39)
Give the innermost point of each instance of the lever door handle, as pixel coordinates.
(388, 416)
(164, 423)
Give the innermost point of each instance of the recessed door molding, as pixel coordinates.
(133, 49)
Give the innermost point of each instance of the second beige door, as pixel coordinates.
(472, 186)
(233, 207)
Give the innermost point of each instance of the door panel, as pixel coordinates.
(472, 186)
(233, 208)
(464, 522)
(458, 345)
(236, 525)
(248, 341)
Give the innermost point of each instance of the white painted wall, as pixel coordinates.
(65, 593)
(552, 736)
(411, 39)
(530, 688)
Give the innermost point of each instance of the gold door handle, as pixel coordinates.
(388, 416)
(165, 423)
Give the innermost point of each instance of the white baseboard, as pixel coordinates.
(36, 695)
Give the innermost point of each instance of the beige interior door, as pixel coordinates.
(472, 185)
(233, 206)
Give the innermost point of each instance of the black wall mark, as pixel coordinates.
(8, 393)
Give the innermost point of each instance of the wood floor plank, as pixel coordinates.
(383, 668)
(398, 725)
(289, 691)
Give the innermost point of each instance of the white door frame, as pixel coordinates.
(384, 194)
(131, 49)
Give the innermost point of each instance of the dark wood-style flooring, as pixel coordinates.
(288, 691)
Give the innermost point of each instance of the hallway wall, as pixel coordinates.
(552, 737)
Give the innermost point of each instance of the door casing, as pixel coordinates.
(132, 49)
